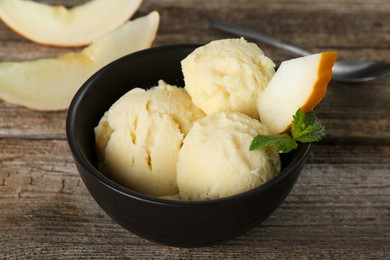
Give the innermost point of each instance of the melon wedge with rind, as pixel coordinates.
(50, 84)
(60, 26)
(298, 83)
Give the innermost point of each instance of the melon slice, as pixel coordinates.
(298, 83)
(57, 25)
(50, 84)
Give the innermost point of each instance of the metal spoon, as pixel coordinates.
(345, 71)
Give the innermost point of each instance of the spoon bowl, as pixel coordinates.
(344, 71)
(359, 71)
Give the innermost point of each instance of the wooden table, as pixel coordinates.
(339, 208)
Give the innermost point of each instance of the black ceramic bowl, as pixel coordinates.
(175, 223)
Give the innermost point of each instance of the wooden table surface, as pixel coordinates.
(338, 209)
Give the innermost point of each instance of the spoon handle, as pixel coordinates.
(257, 35)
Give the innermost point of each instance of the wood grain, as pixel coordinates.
(339, 208)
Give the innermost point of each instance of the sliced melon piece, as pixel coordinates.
(57, 25)
(298, 83)
(50, 84)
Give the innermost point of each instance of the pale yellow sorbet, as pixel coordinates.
(138, 139)
(227, 75)
(215, 160)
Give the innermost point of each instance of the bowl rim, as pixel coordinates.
(81, 160)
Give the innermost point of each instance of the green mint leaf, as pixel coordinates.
(282, 143)
(307, 128)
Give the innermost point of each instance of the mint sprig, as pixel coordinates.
(305, 128)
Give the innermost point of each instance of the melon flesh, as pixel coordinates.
(50, 84)
(57, 25)
(298, 83)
